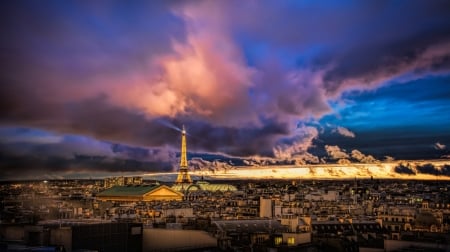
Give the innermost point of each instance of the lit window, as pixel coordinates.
(278, 240)
(291, 241)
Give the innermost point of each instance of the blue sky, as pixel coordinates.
(93, 86)
(418, 103)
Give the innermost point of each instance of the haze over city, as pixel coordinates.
(329, 89)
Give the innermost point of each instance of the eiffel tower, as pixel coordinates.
(183, 174)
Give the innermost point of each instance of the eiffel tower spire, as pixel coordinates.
(183, 174)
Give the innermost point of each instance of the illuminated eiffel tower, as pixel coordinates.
(183, 173)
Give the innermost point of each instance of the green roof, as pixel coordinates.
(128, 190)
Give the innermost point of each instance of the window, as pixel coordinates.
(278, 240)
(260, 240)
(136, 230)
(291, 241)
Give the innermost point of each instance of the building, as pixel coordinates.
(121, 181)
(183, 174)
(139, 193)
(77, 235)
(234, 234)
(192, 188)
(266, 207)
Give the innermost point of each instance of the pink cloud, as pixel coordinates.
(345, 132)
(298, 148)
(335, 152)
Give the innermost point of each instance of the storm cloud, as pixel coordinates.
(423, 169)
(404, 169)
(112, 71)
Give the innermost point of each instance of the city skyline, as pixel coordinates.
(97, 89)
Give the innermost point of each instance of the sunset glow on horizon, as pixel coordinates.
(385, 170)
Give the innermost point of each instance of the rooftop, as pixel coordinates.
(249, 226)
(205, 186)
(137, 190)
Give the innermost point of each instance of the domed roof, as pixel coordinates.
(205, 186)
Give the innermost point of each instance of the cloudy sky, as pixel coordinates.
(100, 86)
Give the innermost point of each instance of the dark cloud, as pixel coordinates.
(427, 168)
(96, 117)
(445, 170)
(243, 141)
(360, 38)
(404, 169)
(19, 166)
(433, 170)
(50, 153)
(135, 152)
(400, 141)
(371, 66)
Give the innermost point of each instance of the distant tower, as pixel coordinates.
(183, 175)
